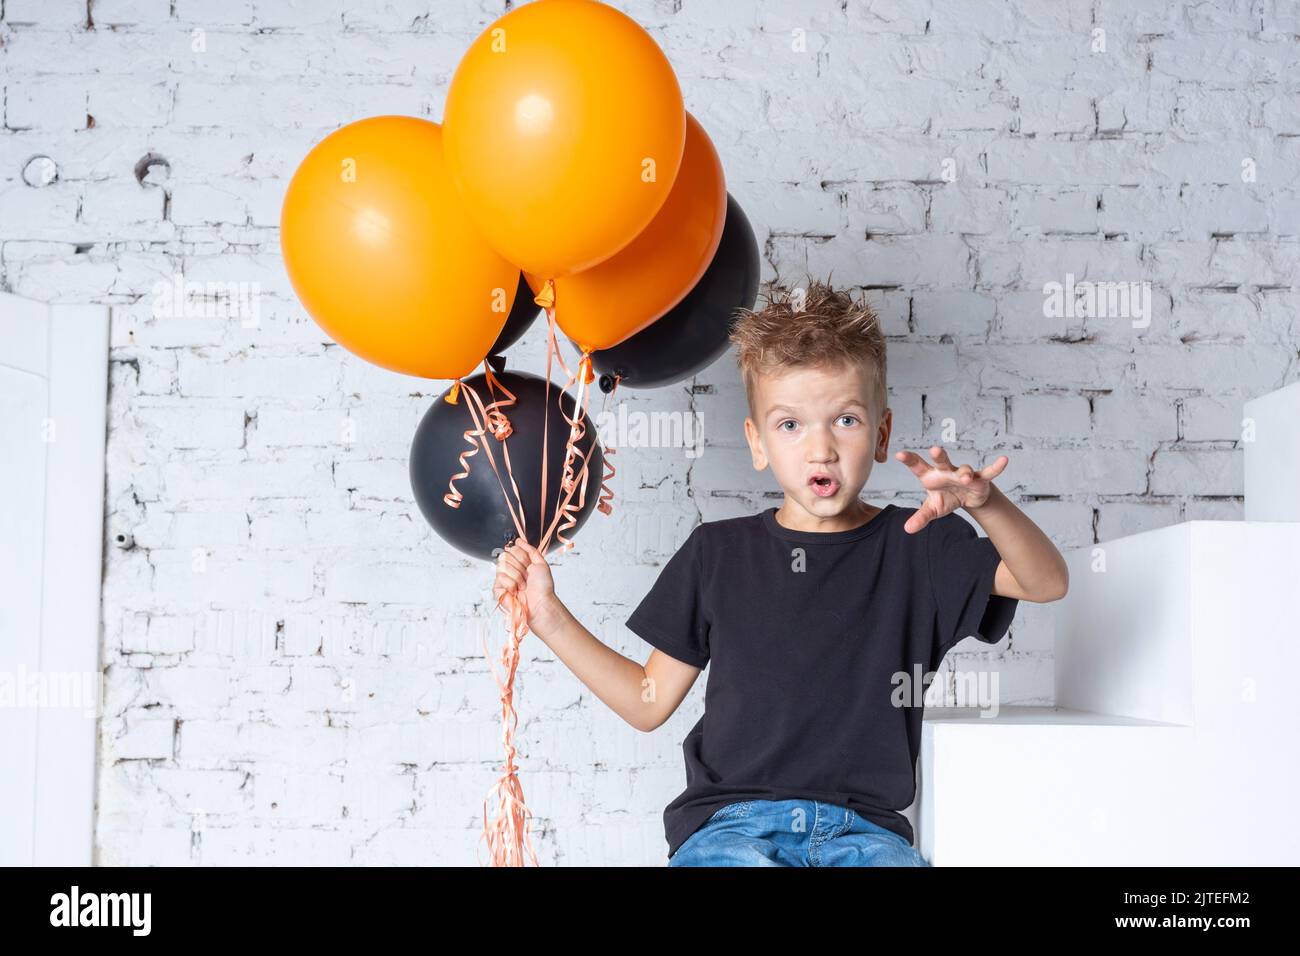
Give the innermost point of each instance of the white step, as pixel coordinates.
(1047, 786)
(1176, 738)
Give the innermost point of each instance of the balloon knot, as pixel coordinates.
(546, 298)
(455, 391)
(587, 374)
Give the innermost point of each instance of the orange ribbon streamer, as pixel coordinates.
(509, 834)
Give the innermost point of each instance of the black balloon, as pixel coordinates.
(690, 336)
(522, 314)
(482, 522)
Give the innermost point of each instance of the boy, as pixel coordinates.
(816, 616)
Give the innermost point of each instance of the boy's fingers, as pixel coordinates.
(916, 523)
(995, 469)
(914, 462)
(533, 555)
(510, 572)
(928, 510)
(923, 516)
(502, 594)
(527, 553)
(940, 457)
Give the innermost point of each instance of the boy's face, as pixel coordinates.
(818, 422)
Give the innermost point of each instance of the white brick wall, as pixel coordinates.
(293, 659)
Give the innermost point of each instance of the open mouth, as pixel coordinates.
(823, 485)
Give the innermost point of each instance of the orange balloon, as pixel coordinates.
(383, 255)
(564, 128)
(617, 298)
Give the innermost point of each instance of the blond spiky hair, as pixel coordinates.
(829, 328)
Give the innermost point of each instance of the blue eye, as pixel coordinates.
(789, 421)
(852, 418)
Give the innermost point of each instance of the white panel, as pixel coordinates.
(23, 329)
(1123, 633)
(23, 399)
(1246, 576)
(1272, 459)
(74, 521)
(52, 420)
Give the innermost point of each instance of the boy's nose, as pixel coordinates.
(821, 452)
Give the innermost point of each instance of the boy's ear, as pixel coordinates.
(882, 435)
(755, 446)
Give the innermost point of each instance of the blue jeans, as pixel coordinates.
(793, 833)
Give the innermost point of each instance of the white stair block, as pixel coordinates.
(1046, 786)
(1272, 466)
(1175, 740)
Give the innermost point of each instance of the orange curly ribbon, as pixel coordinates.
(509, 834)
(606, 493)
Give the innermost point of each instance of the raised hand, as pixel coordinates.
(947, 488)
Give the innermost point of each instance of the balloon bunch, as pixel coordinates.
(566, 176)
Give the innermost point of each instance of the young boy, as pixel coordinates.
(817, 616)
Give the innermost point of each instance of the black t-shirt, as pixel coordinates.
(805, 632)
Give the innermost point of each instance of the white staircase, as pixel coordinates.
(1176, 735)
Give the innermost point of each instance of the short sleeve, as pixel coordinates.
(671, 616)
(962, 567)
